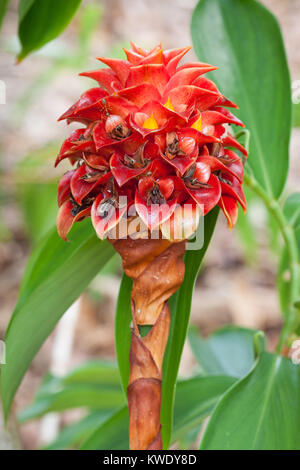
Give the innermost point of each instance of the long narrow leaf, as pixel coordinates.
(75, 396)
(57, 274)
(180, 315)
(113, 434)
(94, 372)
(203, 394)
(76, 433)
(94, 385)
(122, 330)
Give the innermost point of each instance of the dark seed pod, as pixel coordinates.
(172, 143)
(154, 196)
(116, 127)
(137, 160)
(91, 177)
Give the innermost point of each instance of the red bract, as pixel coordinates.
(156, 133)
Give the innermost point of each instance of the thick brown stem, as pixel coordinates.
(157, 270)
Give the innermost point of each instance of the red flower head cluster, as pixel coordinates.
(155, 134)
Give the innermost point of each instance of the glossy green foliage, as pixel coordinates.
(40, 21)
(244, 40)
(56, 275)
(261, 411)
(228, 351)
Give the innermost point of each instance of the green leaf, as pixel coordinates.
(228, 351)
(284, 276)
(75, 396)
(296, 115)
(92, 396)
(292, 213)
(180, 314)
(75, 433)
(195, 399)
(40, 21)
(24, 7)
(3, 9)
(122, 330)
(261, 411)
(94, 372)
(56, 275)
(113, 434)
(187, 441)
(292, 209)
(244, 40)
(94, 385)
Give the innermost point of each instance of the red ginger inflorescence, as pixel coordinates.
(155, 132)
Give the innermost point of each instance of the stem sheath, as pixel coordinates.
(157, 270)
